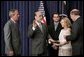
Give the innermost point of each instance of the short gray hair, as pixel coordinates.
(11, 12)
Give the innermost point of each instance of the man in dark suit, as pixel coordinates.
(12, 35)
(76, 37)
(54, 29)
(38, 33)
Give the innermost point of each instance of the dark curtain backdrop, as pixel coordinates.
(27, 9)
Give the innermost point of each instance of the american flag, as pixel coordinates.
(41, 8)
(64, 2)
(63, 7)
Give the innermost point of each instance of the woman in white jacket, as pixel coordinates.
(65, 48)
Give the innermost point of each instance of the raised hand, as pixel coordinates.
(34, 24)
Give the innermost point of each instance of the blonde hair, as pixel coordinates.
(66, 19)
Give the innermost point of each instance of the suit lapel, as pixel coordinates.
(53, 27)
(42, 29)
(58, 27)
(38, 29)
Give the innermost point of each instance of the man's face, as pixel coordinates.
(38, 16)
(56, 18)
(72, 17)
(16, 15)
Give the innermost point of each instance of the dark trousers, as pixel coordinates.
(52, 52)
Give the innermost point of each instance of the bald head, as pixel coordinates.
(75, 12)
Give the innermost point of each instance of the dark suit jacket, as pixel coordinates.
(76, 37)
(38, 39)
(11, 37)
(54, 34)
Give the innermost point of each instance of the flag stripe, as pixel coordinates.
(41, 8)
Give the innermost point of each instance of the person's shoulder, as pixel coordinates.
(51, 25)
(8, 22)
(60, 26)
(79, 22)
(80, 19)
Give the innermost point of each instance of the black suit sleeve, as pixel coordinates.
(74, 34)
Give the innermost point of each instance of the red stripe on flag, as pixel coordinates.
(44, 21)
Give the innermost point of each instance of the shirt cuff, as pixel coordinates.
(33, 28)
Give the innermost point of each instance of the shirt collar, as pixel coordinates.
(13, 20)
